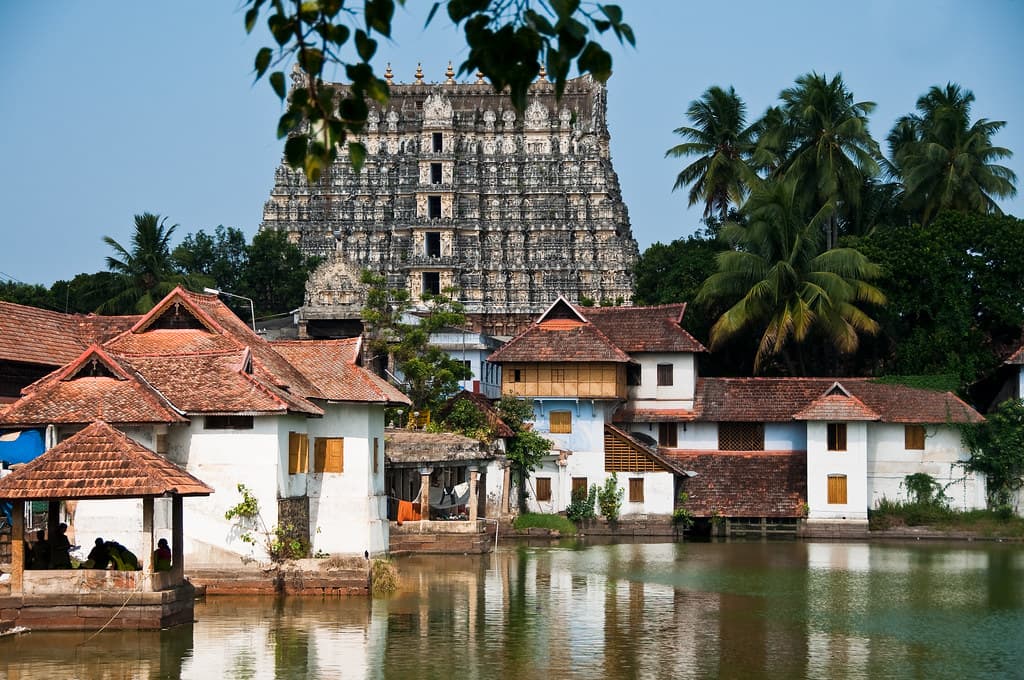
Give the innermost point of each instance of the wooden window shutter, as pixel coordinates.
(837, 436)
(298, 453)
(543, 488)
(636, 489)
(560, 422)
(665, 375)
(913, 437)
(837, 489)
(319, 454)
(335, 455)
(667, 435)
(579, 484)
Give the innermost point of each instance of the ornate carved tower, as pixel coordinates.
(459, 191)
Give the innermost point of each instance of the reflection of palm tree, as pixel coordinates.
(720, 177)
(944, 161)
(145, 272)
(782, 280)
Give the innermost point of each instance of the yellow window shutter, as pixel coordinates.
(335, 455)
(293, 452)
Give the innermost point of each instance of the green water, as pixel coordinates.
(729, 610)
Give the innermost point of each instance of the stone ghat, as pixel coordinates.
(441, 538)
(309, 577)
(92, 611)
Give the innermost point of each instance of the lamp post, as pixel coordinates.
(252, 309)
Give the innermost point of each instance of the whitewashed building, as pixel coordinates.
(299, 425)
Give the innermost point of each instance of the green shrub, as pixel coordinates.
(383, 577)
(581, 508)
(540, 520)
(609, 498)
(682, 518)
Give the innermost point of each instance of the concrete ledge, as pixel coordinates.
(833, 528)
(117, 611)
(304, 577)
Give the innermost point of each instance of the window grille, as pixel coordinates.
(741, 436)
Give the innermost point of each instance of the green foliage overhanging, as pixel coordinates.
(997, 451)
(507, 40)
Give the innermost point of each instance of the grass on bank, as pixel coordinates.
(990, 523)
(537, 520)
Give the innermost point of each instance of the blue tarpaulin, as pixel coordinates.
(21, 446)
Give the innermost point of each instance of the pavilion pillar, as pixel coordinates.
(474, 502)
(148, 545)
(425, 493)
(18, 547)
(177, 538)
(506, 489)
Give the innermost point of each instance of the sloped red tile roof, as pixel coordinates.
(217, 383)
(559, 341)
(644, 329)
(743, 483)
(99, 462)
(331, 366)
(40, 336)
(629, 414)
(70, 395)
(1017, 357)
(780, 399)
(483, 404)
(836, 405)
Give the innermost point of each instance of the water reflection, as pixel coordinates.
(611, 611)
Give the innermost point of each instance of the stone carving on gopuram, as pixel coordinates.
(459, 191)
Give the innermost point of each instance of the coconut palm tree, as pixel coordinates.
(819, 137)
(145, 271)
(944, 161)
(780, 279)
(719, 135)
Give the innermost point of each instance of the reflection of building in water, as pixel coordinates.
(461, 191)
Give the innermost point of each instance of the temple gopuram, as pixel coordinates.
(460, 191)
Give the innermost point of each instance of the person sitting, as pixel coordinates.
(60, 549)
(99, 556)
(162, 556)
(123, 558)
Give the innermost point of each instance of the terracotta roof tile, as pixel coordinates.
(781, 399)
(559, 341)
(1017, 358)
(78, 393)
(644, 329)
(99, 462)
(744, 484)
(836, 404)
(417, 446)
(331, 366)
(630, 414)
(40, 336)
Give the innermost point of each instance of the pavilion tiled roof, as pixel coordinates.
(652, 452)
(410, 447)
(644, 329)
(1017, 358)
(76, 394)
(781, 399)
(96, 463)
(331, 366)
(627, 413)
(743, 483)
(55, 338)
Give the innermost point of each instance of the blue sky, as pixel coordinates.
(110, 108)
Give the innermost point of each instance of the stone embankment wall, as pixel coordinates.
(319, 577)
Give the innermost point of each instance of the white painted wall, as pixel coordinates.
(659, 487)
(348, 511)
(821, 463)
(1020, 383)
(684, 379)
(785, 436)
(587, 424)
(889, 462)
(698, 436)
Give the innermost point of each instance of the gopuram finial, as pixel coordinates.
(419, 74)
(450, 75)
(479, 77)
(542, 77)
(388, 75)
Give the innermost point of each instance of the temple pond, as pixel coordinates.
(657, 610)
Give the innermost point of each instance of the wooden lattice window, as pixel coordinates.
(636, 489)
(560, 422)
(619, 456)
(668, 434)
(837, 489)
(329, 455)
(543, 488)
(837, 436)
(558, 375)
(913, 437)
(298, 453)
(665, 377)
(741, 436)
